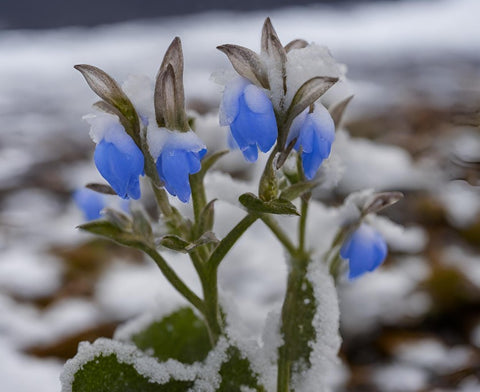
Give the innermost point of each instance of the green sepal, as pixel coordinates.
(178, 244)
(206, 219)
(296, 190)
(210, 160)
(237, 374)
(115, 100)
(276, 206)
(180, 335)
(141, 224)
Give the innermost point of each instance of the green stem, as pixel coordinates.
(173, 278)
(199, 199)
(272, 224)
(212, 309)
(162, 200)
(302, 225)
(229, 240)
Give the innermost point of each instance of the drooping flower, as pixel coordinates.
(365, 250)
(89, 202)
(315, 133)
(117, 157)
(249, 113)
(177, 155)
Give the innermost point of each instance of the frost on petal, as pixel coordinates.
(89, 202)
(179, 156)
(120, 162)
(249, 113)
(315, 133)
(365, 250)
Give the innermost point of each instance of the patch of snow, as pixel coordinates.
(400, 378)
(462, 202)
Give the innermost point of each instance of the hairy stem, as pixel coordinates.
(173, 278)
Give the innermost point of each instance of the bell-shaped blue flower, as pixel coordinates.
(177, 154)
(248, 111)
(315, 133)
(365, 250)
(117, 157)
(89, 202)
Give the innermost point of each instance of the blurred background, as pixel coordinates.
(414, 68)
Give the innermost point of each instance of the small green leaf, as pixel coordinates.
(298, 189)
(182, 335)
(210, 160)
(174, 242)
(106, 373)
(141, 224)
(276, 206)
(207, 216)
(118, 219)
(237, 374)
(112, 231)
(337, 110)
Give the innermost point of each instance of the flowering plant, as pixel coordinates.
(274, 105)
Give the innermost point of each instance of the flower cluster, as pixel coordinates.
(127, 137)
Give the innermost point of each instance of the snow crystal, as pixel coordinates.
(468, 263)
(139, 88)
(158, 137)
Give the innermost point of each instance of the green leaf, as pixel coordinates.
(207, 216)
(141, 224)
(110, 230)
(298, 189)
(276, 206)
(106, 373)
(210, 160)
(181, 335)
(174, 242)
(237, 373)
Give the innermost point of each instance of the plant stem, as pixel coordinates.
(173, 278)
(229, 240)
(212, 309)
(302, 225)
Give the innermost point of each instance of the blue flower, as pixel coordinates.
(89, 202)
(117, 157)
(365, 250)
(248, 111)
(177, 154)
(315, 133)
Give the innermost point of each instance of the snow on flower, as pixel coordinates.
(315, 133)
(365, 250)
(117, 157)
(177, 155)
(248, 111)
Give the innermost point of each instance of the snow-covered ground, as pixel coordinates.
(431, 46)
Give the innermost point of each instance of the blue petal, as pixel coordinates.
(90, 202)
(365, 250)
(121, 168)
(174, 167)
(315, 137)
(254, 124)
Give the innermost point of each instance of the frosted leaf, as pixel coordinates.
(324, 355)
(145, 365)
